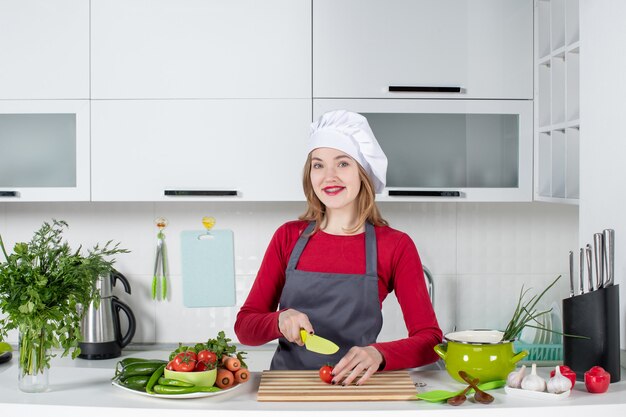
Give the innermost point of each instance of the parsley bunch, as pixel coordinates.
(43, 283)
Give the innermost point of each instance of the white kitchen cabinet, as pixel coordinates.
(44, 49)
(557, 103)
(450, 150)
(364, 48)
(199, 150)
(200, 49)
(44, 150)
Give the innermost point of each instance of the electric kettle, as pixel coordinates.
(100, 327)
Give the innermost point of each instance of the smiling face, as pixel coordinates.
(335, 178)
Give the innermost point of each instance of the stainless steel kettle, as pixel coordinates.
(100, 327)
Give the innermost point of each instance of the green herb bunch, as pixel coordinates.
(43, 283)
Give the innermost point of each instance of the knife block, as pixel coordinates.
(595, 315)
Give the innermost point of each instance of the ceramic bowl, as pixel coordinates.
(201, 379)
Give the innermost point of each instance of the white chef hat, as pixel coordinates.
(350, 133)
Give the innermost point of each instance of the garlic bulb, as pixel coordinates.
(534, 382)
(559, 383)
(514, 380)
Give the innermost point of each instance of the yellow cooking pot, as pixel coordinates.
(481, 353)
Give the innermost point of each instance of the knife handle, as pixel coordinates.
(589, 253)
(609, 255)
(571, 273)
(581, 270)
(598, 246)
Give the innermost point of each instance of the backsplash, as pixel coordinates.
(480, 254)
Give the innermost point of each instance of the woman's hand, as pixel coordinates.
(357, 360)
(290, 322)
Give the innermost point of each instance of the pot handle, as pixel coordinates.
(442, 349)
(519, 356)
(118, 305)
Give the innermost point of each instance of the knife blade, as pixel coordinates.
(589, 253)
(598, 247)
(609, 255)
(571, 273)
(318, 344)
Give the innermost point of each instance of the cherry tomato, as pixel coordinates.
(201, 366)
(597, 380)
(207, 356)
(567, 373)
(325, 373)
(185, 361)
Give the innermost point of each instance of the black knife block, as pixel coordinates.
(595, 315)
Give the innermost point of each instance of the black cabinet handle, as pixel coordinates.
(422, 89)
(200, 193)
(9, 194)
(412, 193)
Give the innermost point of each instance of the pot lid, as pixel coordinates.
(476, 337)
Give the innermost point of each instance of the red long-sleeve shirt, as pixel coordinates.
(399, 270)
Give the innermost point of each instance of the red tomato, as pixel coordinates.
(597, 380)
(170, 365)
(207, 356)
(201, 366)
(567, 373)
(185, 361)
(325, 373)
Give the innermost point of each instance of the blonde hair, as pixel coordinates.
(366, 205)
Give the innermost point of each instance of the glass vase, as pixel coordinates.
(32, 364)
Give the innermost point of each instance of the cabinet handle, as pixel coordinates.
(412, 193)
(423, 89)
(9, 194)
(200, 193)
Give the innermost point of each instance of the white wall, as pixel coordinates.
(479, 253)
(602, 137)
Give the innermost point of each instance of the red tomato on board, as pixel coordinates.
(325, 373)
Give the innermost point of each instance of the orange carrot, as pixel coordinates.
(225, 378)
(242, 375)
(232, 364)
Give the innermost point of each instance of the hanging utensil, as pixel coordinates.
(609, 256)
(159, 279)
(598, 246)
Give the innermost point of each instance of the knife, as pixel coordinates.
(598, 246)
(589, 265)
(318, 344)
(609, 255)
(571, 273)
(581, 267)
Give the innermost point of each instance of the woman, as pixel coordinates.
(329, 272)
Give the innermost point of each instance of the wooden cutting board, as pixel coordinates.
(307, 386)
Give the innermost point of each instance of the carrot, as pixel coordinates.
(224, 357)
(225, 378)
(232, 364)
(242, 375)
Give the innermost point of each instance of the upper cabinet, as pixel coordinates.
(44, 49)
(165, 49)
(462, 49)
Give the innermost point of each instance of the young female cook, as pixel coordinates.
(329, 272)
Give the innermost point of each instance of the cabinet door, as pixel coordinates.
(224, 150)
(44, 150)
(450, 150)
(201, 49)
(363, 47)
(44, 49)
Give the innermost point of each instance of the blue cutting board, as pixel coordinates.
(208, 268)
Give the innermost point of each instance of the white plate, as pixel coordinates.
(177, 396)
(557, 323)
(524, 393)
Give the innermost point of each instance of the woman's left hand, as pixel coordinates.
(357, 360)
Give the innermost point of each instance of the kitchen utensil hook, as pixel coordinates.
(208, 223)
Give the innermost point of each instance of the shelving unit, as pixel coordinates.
(557, 104)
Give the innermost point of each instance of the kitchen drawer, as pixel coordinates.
(361, 48)
(44, 150)
(223, 150)
(200, 49)
(44, 47)
(450, 150)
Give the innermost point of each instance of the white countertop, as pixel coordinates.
(82, 387)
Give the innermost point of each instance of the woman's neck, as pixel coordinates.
(340, 222)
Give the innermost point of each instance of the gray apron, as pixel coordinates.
(343, 308)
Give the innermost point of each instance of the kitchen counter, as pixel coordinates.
(84, 387)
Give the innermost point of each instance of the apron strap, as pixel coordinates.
(371, 254)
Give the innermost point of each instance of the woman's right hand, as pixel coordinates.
(290, 322)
